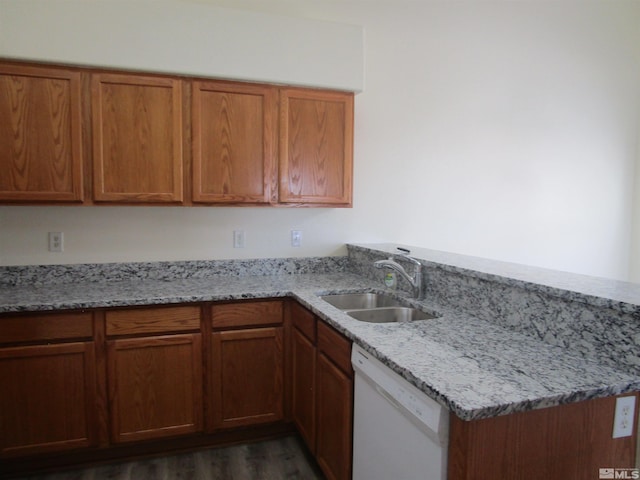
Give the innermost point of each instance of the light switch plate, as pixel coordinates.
(296, 238)
(238, 239)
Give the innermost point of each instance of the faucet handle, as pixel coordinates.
(405, 253)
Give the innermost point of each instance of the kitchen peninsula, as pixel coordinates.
(507, 340)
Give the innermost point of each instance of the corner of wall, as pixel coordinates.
(634, 271)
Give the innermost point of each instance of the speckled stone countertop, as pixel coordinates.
(470, 366)
(596, 291)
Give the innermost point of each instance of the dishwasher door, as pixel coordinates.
(398, 432)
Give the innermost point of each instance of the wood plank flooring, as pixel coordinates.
(283, 458)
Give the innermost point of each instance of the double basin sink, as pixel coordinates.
(375, 308)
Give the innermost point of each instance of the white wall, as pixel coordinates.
(635, 238)
(506, 130)
(171, 36)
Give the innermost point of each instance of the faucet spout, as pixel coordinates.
(415, 281)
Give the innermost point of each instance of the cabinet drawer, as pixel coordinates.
(246, 314)
(335, 346)
(304, 321)
(45, 327)
(152, 320)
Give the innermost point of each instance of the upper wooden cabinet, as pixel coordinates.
(137, 139)
(234, 142)
(316, 147)
(40, 134)
(162, 140)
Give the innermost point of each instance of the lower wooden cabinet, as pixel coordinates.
(334, 404)
(303, 373)
(155, 387)
(111, 382)
(154, 381)
(247, 381)
(322, 392)
(104, 384)
(248, 377)
(48, 392)
(48, 398)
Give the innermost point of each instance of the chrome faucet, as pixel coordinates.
(415, 281)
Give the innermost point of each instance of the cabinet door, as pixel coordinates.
(234, 141)
(334, 397)
(48, 399)
(247, 377)
(316, 147)
(155, 386)
(137, 139)
(335, 420)
(40, 134)
(303, 405)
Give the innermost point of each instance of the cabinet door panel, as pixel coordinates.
(316, 147)
(40, 134)
(234, 140)
(247, 377)
(335, 420)
(303, 354)
(48, 399)
(137, 139)
(155, 386)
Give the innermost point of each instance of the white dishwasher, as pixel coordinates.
(399, 432)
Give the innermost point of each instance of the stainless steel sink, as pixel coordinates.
(357, 301)
(389, 314)
(375, 308)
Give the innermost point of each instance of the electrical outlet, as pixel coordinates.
(296, 238)
(238, 239)
(623, 417)
(56, 241)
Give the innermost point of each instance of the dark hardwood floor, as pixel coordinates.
(283, 458)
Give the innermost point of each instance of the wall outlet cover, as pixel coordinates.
(56, 241)
(623, 417)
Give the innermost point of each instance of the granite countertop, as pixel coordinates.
(473, 368)
(602, 292)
